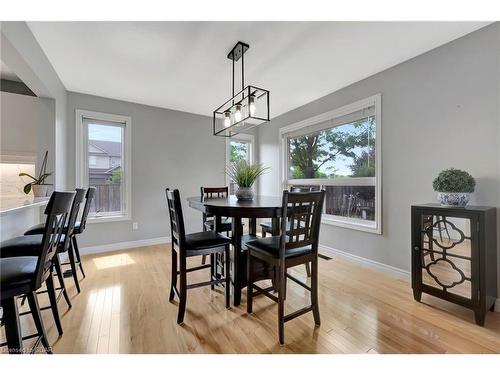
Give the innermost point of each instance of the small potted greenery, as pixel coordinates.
(38, 184)
(454, 187)
(244, 175)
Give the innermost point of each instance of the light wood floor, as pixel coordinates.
(124, 308)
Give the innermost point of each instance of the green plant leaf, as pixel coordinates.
(27, 188)
(245, 174)
(27, 175)
(42, 178)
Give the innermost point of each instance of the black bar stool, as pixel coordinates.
(24, 275)
(189, 245)
(78, 228)
(31, 245)
(297, 244)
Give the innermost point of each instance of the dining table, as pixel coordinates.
(230, 207)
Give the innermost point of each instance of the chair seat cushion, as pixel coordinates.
(205, 240)
(270, 246)
(39, 228)
(17, 272)
(23, 246)
(267, 225)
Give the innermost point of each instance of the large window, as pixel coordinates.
(239, 147)
(103, 161)
(340, 152)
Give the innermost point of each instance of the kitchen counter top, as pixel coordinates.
(9, 205)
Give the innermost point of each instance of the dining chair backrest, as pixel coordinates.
(303, 213)
(57, 212)
(176, 218)
(73, 214)
(214, 192)
(86, 209)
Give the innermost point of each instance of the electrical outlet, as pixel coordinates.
(135, 225)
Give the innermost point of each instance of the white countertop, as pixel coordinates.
(10, 205)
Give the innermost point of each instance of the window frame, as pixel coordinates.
(340, 221)
(244, 138)
(81, 160)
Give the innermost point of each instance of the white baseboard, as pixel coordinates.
(124, 245)
(394, 271)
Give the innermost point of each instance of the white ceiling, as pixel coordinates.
(183, 65)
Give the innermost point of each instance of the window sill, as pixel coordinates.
(354, 224)
(107, 219)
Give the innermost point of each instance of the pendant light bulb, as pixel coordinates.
(252, 105)
(227, 119)
(237, 113)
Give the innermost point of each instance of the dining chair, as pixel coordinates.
(267, 227)
(297, 244)
(185, 246)
(24, 275)
(79, 227)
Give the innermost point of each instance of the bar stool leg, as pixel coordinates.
(77, 253)
(12, 326)
(51, 291)
(72, 264)
(173, 280)
(37, 317)
(227, 267)
(60, 277)
(183, 291)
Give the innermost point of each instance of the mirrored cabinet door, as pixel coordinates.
(446, 253)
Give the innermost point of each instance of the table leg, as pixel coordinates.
(276, 226)
(252, 226)
(237, 260)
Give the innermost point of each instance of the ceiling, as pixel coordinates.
(7, 73)
(183, 65)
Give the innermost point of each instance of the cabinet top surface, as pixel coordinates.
(436, 206)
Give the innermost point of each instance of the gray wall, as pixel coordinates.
(24, 56)
(169, 149)
(439, 110)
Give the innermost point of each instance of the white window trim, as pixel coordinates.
(250, 138)
(81, 161)
(375, 100)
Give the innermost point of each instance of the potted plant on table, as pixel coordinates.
(454, 187)
(38, 184)
(245, 175)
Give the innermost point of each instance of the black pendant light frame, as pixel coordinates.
(243, 102)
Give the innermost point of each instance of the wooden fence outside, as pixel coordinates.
(107, 198)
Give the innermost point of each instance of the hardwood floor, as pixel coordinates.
(124, 308)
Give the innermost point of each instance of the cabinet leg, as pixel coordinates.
(492, 308)
(479, 316)
(417, 294)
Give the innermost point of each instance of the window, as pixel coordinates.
(340, 152)
(239, 147)
(103, 161)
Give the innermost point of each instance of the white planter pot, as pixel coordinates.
(453, 199)
(39, 190)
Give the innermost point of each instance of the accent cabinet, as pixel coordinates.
(454, 255)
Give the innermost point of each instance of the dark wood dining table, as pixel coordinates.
(260, 207)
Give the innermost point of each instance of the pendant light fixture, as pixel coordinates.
(247, 108)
